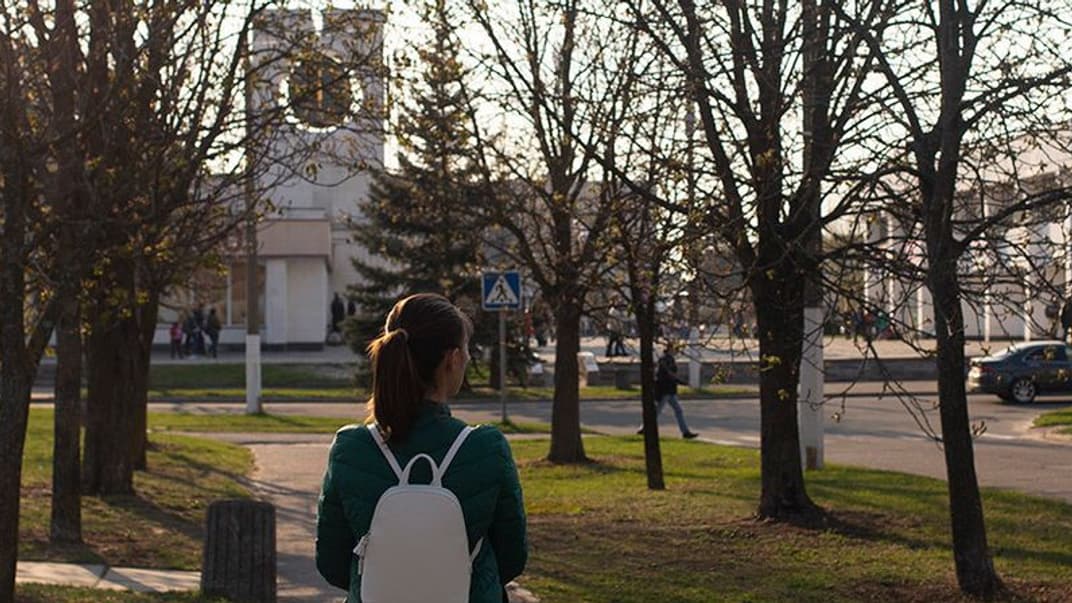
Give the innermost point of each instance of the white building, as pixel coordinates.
(1013, 284)
(318, 178)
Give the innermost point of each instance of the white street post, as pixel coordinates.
(502, 363)
(694, 358)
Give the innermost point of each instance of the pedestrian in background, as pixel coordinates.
(1066, 319)
(666, 382)
(338, 313)
(176, 340)
(212, 329)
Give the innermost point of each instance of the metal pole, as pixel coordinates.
(502, 363)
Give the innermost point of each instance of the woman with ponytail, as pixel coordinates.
(418, 363)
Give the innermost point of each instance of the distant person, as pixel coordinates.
(189, 331)
(175, 334)
(338, 313)
(212, 329)
(615, 344)
(199, 329)
(539, 328)
(666, 382)
(351, 307)
(418, 363)
(1066, 320)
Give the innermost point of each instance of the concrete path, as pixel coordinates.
(104, 577)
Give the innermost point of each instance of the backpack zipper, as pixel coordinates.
(359, 550)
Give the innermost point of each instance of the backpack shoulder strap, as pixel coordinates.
(449, 457)
(387, 454)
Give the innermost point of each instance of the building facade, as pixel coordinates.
(332, 95)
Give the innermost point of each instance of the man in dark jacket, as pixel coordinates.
(338, 313)
(213, 326)
(1066, 319)
(666, 382)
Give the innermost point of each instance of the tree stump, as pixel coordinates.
(239, 555)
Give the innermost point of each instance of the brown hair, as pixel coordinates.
(419, 331)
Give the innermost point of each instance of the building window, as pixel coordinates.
(224, 290)
(206, 288)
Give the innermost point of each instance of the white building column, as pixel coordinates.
(275, 301)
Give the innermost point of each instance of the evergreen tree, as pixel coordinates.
(419, 227)
(416, 226)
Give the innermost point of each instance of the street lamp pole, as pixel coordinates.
(253, 337)
(692, 244)
(810, 393)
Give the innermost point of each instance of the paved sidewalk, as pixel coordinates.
(104, 577)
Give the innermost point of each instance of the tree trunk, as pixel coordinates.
(780, 317)
(566, 444)
(66, 512)
(971, 553)
(66, 521)
(239, 557)
(145, 316)
(14, 413)
(108, 467)
(653, 459)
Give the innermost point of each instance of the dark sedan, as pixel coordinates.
(1024, 371)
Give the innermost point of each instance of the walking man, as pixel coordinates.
(666, 382)
(1066, 319)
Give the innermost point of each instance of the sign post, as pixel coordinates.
(502, 292)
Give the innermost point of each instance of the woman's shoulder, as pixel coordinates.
(350, 438)
(487, 442)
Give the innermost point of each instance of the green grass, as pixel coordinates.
(1058, 418)
(480, 392)
(242, 423)
(268, 423)
(336, 382)
(347, 394)
(160, 526)
(598, 534)
(209, 375)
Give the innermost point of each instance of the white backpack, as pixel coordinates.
(416, 549)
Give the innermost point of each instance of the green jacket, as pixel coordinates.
(482, 476)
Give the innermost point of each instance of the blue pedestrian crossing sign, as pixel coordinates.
(502, 290)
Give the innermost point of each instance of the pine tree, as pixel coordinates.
(419, 227)
(416, 227)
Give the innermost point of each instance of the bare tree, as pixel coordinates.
(980, 106)
(553, 203)
(28, 313)
(778, 90)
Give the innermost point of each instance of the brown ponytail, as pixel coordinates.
(418, 332)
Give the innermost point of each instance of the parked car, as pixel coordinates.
(1023, 371)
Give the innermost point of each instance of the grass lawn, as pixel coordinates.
(1058, 418)
(598, 534)
(161, 526)
(287, 423)
(210, 375)
(601, 392)
(335, 382)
